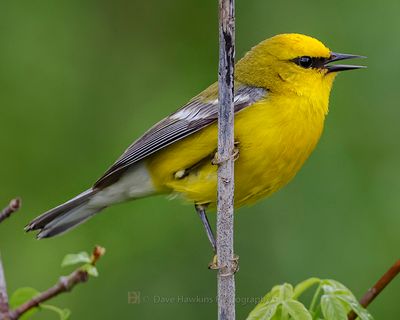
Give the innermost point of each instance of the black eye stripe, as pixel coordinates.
(307, 62)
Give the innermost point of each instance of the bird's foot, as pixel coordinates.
(213, 265)
(235, 155)
(228, 271)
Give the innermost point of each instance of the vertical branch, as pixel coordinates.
(3, 293)
(13, 206)
(226, 279)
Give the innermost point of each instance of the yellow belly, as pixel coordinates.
(275, 136)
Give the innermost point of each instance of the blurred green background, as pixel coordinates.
(81, 79)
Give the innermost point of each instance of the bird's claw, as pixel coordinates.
(213, 265)
(235, 155)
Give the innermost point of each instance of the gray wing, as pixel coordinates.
(192, 117)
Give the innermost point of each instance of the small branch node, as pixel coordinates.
(13, 206)
(98, 252)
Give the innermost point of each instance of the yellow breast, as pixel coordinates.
(275, 136)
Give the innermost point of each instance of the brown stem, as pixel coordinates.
(14, 205)
(373, 292)
(3, 292)
(64, 284)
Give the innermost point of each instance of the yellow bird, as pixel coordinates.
(282, 89)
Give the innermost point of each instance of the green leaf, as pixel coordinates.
(268, 306)
(283, 292)
(75, 258)
(304, 285)
(340, 291)
(63, 313)
(265, 300)
(354, 305)
(263, 312)
(333, 308)
(296, 310)
(22, 295)
(90, 269)
(335, 286)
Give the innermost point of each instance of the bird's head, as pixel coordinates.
(292, 63)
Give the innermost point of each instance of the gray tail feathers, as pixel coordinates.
(64, 217)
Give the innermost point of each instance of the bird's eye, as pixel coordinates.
(305, 62)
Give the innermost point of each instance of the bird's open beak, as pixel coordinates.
(341, 67)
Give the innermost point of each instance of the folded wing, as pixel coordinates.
(198, 113)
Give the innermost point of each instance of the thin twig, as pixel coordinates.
(373, 292)
(13, 206)
(3, 292)
(64, 284)
(226, 261)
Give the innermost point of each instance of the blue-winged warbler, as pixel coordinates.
(282, 89)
